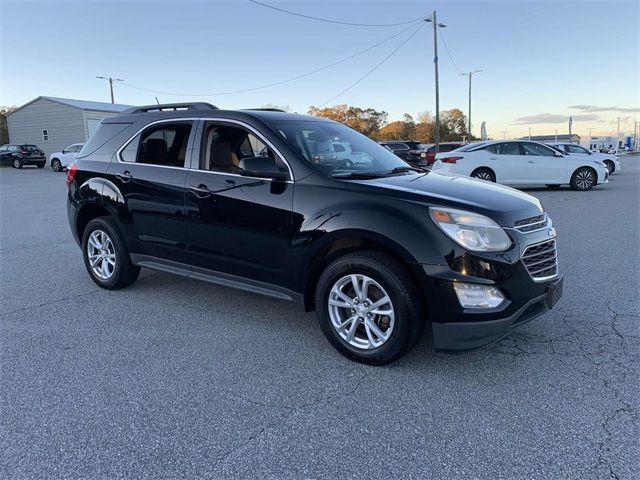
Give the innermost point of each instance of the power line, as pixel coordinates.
(273, 84)
(449, 53)
(327, 20)
(374, 68)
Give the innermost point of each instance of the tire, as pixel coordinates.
(41, 164)
(555, 185)
(404, 320)
(56, 165)
(584, 179)
(119, 274)
(610, 166)
(484, 174)
(16, 163)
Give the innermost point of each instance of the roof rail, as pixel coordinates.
(171, 106)
(268, 109)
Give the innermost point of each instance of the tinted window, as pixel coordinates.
(104, 133)
(223, 147)
(338, 148)
(164, 145)
(537, 150)
(397, 146)
(576, 149)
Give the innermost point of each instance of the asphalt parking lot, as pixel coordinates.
(172, 378)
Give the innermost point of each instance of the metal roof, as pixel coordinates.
(81, 104)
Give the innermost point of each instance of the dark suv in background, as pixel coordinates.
(408, 150)
(377, 247)
(18, 155)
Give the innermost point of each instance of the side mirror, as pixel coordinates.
(64, 151)
(558, 154)
(261, 167)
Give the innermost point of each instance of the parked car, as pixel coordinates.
(445, 147)
(345, 153)
(375, 248)
(61, 160)
(611, 161)
(519, 162)
(18, 155)
(409, 151)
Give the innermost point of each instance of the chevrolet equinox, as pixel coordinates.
(378, 248)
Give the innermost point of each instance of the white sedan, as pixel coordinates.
(61, 160)
(611, 161)
(522, 162)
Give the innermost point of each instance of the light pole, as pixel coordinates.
(111, 80)
(433, 20)
(469, 74)
(618, 134)
(529, 133)
(504, 134)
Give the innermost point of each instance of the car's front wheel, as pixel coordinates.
(369, 308)
(610, 166)
(106, 256)
(16, 163)
(56, 165)
(583, 179)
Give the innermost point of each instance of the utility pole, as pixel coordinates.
(433, 19)
(556, 134)
(618, 134)
(504, 134)
(529, 133)
(469, 74)
(111, 80)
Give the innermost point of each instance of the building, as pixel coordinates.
(611, 142)
(574, 138)
(54, 123)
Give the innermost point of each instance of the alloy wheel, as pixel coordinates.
(584, 179)
(484, 175)
(16, 163)
(361, 311)
(101, 254)
(56, 165)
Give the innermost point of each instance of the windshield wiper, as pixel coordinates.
(409, 168)
(364, 175)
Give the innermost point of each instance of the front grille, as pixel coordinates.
(531, 224)
(541, 260)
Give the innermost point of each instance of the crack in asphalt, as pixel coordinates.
(607, 362)
(54, 301)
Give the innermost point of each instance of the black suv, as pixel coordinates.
(377, 247)
(409, 151)
(18, 155)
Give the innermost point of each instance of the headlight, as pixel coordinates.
(472, 231)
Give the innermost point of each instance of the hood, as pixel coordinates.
(504, 205)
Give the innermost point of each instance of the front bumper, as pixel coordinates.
(461, 336)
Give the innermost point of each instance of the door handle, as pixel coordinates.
(124, 176)
(531, 161)
(201, 191)
(493, 158)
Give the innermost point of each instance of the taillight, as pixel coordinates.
(451, 159)
(71, 174)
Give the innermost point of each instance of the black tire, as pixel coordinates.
(553, 186)
(41, 164)
(409, 319)
(125, 273)
(16, 163)
(56, 165)
(610, 166)
(484, 174)
(583, 179)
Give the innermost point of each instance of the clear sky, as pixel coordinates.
(539, 59)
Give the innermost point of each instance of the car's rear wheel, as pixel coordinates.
(369, 308)
(106, 256)
(16, 163)
(610, 166)
(484, 174)
(583, 179)
(56, 165)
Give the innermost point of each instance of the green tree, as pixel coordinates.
(4, 129)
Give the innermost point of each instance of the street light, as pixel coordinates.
(434, 21)
(111, 80)
(469, 74)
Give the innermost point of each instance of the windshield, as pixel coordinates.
(337, 150)
(30, 148)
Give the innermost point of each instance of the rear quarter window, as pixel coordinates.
(104, 133)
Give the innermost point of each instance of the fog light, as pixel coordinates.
(478, 296)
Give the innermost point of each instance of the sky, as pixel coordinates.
(541, 61)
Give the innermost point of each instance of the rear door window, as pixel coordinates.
(160, 145)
